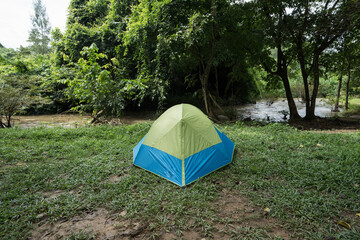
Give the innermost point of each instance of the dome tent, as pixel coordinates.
(183, 145)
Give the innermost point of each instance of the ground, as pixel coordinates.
(236, 210)
(330, 124)
(283, 183)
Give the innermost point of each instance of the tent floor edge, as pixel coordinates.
(158, 175)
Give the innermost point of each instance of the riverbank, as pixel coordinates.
(76, 120)
(263, 111)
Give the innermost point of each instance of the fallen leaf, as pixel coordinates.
(301, 146)
(344, 224)
(123, 213)
(41, 215)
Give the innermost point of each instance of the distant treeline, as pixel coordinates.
(117, 55)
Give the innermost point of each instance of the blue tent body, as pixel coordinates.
(182, 150)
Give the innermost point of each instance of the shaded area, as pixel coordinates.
(342, 124)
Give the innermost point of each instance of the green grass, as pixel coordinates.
(354, 108)
(310, 181)
(354, 101)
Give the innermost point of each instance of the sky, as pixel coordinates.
(15, 19)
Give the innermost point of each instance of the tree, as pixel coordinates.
(12, 100)
(343, 59)
(310, 27)
(92, 48)
(351, 55)
(18, 91)
(276, 36)
(96, 87)
(199, 43)
(39, 36)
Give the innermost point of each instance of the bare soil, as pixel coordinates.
(75, 120)
(238, 209)
(335, 125)
(102, 224)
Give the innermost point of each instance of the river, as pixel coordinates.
(262, 110)
(273, 111)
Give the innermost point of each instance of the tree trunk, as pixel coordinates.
(304, 75)
(347, 86)
(336, 109)
(307, 96)
(206, 74)
(204, 78)
(227, 88)
(217, 93)
(8, 120)
(310, 111)
(283, 73)
(294, 115)
(218, 106)
(96, 117)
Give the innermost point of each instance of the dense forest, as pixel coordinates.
(119, 55)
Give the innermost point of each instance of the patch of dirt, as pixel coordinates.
(241, 213)
(336, 131)
(347, 124)
(168, 236)
(191, 235)
(52, 194)
(115, 178)
(98, 223)
(56, 193)
(235, 209)
(5, 166)
(188, 235)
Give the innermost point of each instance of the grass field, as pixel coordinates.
(59, 183)
(354, 101)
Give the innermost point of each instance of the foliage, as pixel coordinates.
(31, 74)
(196, 43)
(104, 80)
(304, 30)
(160, 44)
(123, 54)
(100, 87)
(39, 36)
(16, 94)
(306, 179)
(11, 102)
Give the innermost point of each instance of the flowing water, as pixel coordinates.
(263, 110)
(275, 111)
